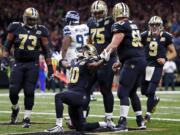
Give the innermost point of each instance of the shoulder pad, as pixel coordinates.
(44, 30)
(13, 26)
(118, 27)
(144, 33)
(167, 33)
(90, 21)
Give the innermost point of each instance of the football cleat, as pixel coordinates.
(156, 101)
(14, 115)
(147, 118)
(26, 123)
(56, 129)
(140, 122)
(110, 123)
(122, 125)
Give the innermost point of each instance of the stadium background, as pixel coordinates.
(165, 121)
(52, 14)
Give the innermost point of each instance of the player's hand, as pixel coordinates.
(57, 56)
(116, 67)
(105, 55)
(4, 63)
(161, 61)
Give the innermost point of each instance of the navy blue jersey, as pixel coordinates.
(80, 76)
(155, 47)
(131, 45)
(27, 40)
(100, 32)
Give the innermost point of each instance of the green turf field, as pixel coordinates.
(166, 120)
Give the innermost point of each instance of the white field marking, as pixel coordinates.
(93, 115)
(95, 93)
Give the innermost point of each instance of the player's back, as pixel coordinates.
(131, 45)
(27, 41)
(79, 36)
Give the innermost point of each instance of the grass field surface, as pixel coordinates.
(165, 121)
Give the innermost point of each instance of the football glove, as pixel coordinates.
(105, 55)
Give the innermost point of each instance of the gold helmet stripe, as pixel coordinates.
(123, 8)
(97, 4)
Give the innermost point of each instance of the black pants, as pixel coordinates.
(24, 76)
(75, 102)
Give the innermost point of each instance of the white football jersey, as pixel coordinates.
(79, 35)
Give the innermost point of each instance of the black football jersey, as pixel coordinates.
(131, 45)
(80, 76)
(27, 40)
(100, 32)
(155, 47)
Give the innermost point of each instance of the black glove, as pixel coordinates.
(4, 63)
(50, 71)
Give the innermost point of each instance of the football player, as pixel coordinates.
(81, 72)
(26, 38)
(100, 36)
(75, 35)
(157, 44)
(127, 41)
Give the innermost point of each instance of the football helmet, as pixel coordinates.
(30, 17)
(72, 17)
(120, 10)
(86, 51)
(155, 24)
(99, 9)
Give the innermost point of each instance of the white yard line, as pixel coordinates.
(95, 93)
(94, 115)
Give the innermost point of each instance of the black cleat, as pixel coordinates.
(122, 123)
(156, 101)
(14, 115)
(26, 123)
(140, 122)
(147, 118)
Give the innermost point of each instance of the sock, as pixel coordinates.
(59, 121)
(108, 115)
(124, 111)
(138, 113)
(103, 124)
(15, 107)
(27, 114)
(148, 113)
(84, 114)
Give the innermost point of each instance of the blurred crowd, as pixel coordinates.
(52, 14)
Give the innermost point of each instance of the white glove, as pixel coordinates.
(57, 56)
(105, 55)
